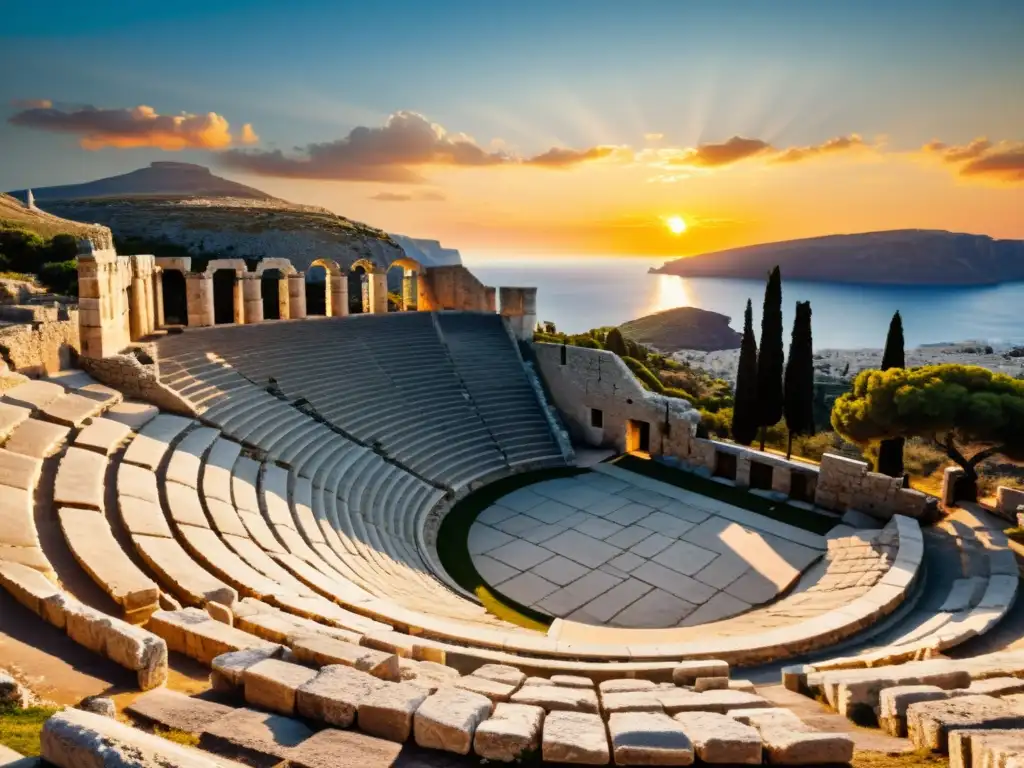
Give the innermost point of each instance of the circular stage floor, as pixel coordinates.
(615, 548)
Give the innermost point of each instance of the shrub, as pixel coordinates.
(60, 277)
(717, 424)
(642, 372)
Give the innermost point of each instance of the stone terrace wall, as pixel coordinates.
(47, 344)
(455, 288)
(582, 379)
(137, 378)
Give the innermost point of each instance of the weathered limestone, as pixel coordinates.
(320, 651)
(572, 681)
(331, 748)
(193, 633)
(687, 672)
(648, 738)
(789, 741)
(448, 719)
(99, 705)
(227, 671)
(11, 416)
(630, 701)
(72, 410)
(721, 739)
(170, 709)
(272, 684)
(34, 591)
(986, 748)
(333, 696)
(512, 732)
(627, 685)
(681, 700)
(18, 471)
(103, 435)
(996, 686)
(38, 439)
(388, 711)
(180, 573)
(259, 739)
(17, 519)
(855, 693)
(34, 394)
(929, 723)
(575, 737)
(79, 480)
(711, 684)
(297, 296)
(77, 739)
(220, 613)
(554, 698)
(893, 704)
(252, 298)
(501, 673)
(427, 674)
(493, 690)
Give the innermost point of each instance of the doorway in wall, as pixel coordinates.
(172, 282)
(224, 296)
(638, 436)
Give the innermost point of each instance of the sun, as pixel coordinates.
(676, 225)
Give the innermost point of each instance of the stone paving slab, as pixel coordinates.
(17, 519)
(132, 413)
(38, 438)
(575, 737)
(492, 689)
(448, 719)
(103, 435)
(18, 471)
(626, 554)
(79, 481)
(257, 738)
(332, 748)
(34, 394)
(177, 711)
(11, 416)
(721, 739)
(555, 698)
(72, 410)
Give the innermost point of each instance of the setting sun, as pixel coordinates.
(676, 225)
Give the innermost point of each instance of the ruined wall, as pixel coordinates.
(454, 288)
(48, 344)
(597, 379)
(519, 307)
(137, 376)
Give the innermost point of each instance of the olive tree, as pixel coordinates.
(956, 406)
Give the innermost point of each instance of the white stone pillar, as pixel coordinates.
(339, 295)
(252, 298)
(199, 296)
(297, 296)
(137, 309)
(409, 293)
(158, 298)
(238, 297)
(378, 292)
(283, 305)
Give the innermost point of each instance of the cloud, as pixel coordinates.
(834, 145)
(654, 136)
(982, 159)
(31, 103)
(248, 135)
(138, 126)
(393, 153)
(427, 196)
(713, 155)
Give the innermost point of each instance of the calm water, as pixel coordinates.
(578, 295)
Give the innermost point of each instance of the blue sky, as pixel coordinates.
(532, 74)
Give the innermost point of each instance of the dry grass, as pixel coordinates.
(919, 759)
(178, 737)
(20, 728)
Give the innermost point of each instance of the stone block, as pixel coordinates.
(648, 738)
(258, 739)
(103, 435)
(630, 701)
(996, 686)
(193, 633)
(170, 709)
(627, 685)
(989, 748)
(39, 439)
(577, 738)
(893, 703)
(78, 739)
(711, 684)
(554, 698)
(679, 700)
(492, 689)
(272, 684)
(687, 672)
(427, 674)
(18, 471)
(510, 734)
(929, 723)
(331, 748)
(334, 695)
(228, 669)
(721, 739)
(320, 651)
(34, 591)
(788, 747)
(572, 681)
(501, 673)
(220, 613)
(448, 719)
(388, 711)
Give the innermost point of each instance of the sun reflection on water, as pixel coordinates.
(670, 292)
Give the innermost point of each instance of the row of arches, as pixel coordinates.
(275, 290)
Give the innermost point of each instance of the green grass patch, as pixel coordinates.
(453, 545)
(178, 737)
(738, 497)
(20, 728)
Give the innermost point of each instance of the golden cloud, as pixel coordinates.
(834, 145)
(981, 158)
(133, 127)
(712, 155)
(428, 196)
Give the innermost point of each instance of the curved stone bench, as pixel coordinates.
(36, 438)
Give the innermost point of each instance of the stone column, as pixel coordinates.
(199, 297)
(296, 296)
(409, 292)
(283, 305)
(239, 299)
(378, 282)
(252, 298)
(339, 294)
(136, 309)
(158, 298)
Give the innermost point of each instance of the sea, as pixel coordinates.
(577, 294)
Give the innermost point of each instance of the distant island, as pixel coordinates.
(683, 328)
(895, 257)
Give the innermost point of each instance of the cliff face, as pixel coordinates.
(898, 257)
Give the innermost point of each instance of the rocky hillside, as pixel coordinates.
(14, 215)
(183, 205)
(683, 328)
(897, 257)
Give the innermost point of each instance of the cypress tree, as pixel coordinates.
(744, 409)
(616, 343)
(798, 400)
(770, 357)
(890, 452)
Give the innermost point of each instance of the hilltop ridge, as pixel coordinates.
(893, 257)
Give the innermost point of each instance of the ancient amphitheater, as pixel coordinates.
(410, 538)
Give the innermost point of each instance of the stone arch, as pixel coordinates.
(273, 293)
(319, 279)
(284, 266)
(238, 266)
(412, 273)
